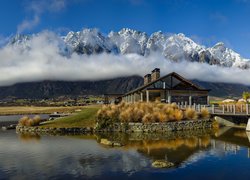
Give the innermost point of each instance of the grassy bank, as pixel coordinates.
(16, 110)
(85, 118)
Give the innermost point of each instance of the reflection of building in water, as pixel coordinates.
(183, 147)
(175, 147)
(231, 140)
(225, 146)
(175, 150)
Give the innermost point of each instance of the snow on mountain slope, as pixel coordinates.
(228, 57)
(129, 41)
(174, 47)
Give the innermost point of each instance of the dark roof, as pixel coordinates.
(147, 75)
(156, 70)
(170, 74)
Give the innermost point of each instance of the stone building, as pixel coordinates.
(169, 88)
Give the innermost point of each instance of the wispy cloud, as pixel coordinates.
(37, 9)
(28, 24)
(3, 40)
(43, 61)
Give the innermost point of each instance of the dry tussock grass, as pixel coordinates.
(146, 112)
(205, 113)
(26, 121)
(191, 114)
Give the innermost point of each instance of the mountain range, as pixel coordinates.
(173, 47)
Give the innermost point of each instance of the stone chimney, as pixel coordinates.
(147, 79)
(155, 74)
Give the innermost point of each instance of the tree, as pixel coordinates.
(245, 95)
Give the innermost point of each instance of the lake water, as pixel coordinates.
(222, 154)
(14, 118)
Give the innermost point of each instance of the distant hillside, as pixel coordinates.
(223, 89)
(49, 89)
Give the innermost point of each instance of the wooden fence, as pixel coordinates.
(231, 109)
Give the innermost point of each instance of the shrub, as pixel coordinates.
(26, 121)
(23, 120)
(191, 114)
(178, 114)
(36, 120)
(125, 115)
(143, 112)
(159, 116)
(174, 106)
(205, 113)
(170, 113)
(147, 118)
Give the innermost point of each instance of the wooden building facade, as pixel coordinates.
(169, 88)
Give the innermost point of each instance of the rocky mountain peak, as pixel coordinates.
(174, 47)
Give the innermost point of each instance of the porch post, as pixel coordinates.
(169, 97)
(147, 95)
(141, 96)
(207, 100)
(190, 100)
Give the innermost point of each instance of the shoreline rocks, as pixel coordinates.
(162, 164)
(110, 143)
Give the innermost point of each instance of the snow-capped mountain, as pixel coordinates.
(174, 47)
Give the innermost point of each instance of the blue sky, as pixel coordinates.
(205, 21)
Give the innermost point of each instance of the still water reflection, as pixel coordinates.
(196, 154)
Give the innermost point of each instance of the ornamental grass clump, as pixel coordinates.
(178, 114)
(191, 114)
(147, 118)
(142, 112)
(23, 120)
(204, 113)
(26, 121)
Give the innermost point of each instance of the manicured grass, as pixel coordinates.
(85, 118)
(36, 110)
(215, 102)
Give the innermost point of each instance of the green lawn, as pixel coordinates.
(215, 101)
(85, 118)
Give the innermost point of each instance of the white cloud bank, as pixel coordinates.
(43, 61)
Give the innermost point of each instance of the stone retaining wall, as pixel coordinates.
(160, 127)
(50, 130)
(125, 127)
